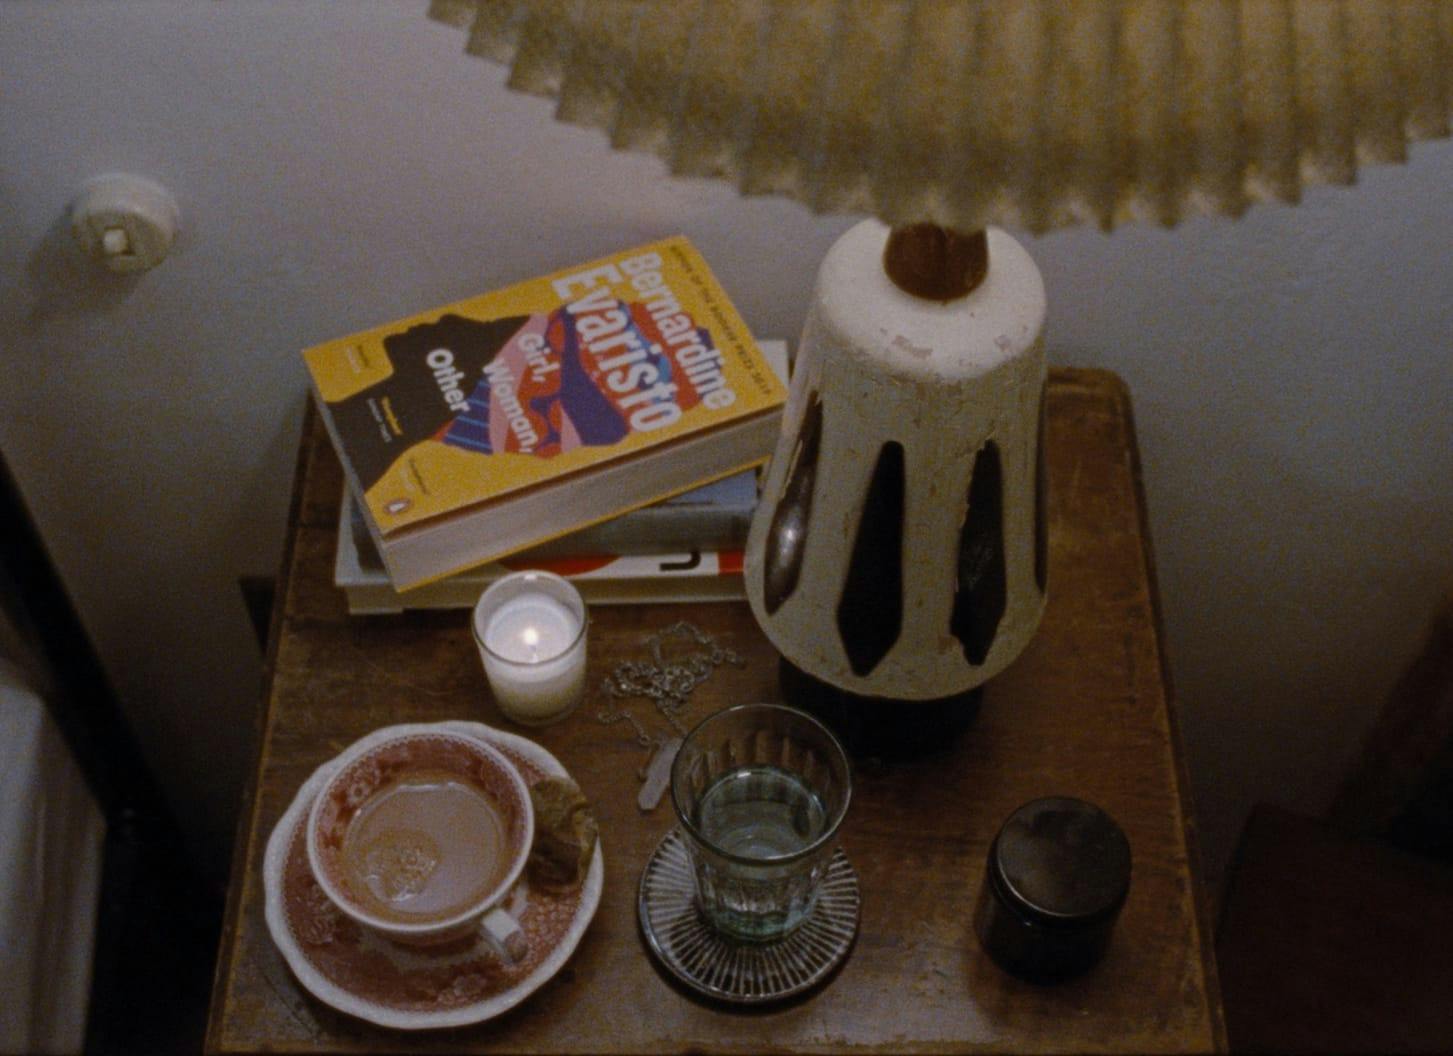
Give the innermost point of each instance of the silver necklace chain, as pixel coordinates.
(667, 683)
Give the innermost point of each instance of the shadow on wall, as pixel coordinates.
(65, 283)
(1292, 603)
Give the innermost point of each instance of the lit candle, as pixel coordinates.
(530, 629)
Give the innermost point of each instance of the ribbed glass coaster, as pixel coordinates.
(743, 973)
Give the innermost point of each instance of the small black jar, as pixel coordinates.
(1058, 873)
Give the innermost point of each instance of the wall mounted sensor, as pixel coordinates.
(127, 222)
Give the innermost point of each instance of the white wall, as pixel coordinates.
(340, 165)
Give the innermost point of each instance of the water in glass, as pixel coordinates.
(760, 816)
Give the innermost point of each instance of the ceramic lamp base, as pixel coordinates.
(880, 727)
(899, 548)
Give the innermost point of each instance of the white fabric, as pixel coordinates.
(51, 834)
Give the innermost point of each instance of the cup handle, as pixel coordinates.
(504, 933)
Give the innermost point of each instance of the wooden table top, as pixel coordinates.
(1085, 711)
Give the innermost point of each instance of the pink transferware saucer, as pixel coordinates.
(357, 972)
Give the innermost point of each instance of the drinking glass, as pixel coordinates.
(760, 791)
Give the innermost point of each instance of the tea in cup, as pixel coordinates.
(420, 834)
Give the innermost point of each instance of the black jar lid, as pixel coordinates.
(1062, 862)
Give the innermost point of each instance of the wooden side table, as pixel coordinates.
(1085, 711)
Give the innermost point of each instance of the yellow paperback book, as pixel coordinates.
(497, 422)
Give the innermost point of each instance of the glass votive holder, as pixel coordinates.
(760, 791)
(531, 631)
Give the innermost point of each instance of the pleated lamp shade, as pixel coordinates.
(897, 558)
(1035, 113)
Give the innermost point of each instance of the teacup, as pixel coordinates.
(420, 834)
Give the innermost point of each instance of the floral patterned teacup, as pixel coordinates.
(420, 834)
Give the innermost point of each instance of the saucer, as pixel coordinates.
(451, 985)
(743, 973)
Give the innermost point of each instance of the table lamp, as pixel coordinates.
(897, 556)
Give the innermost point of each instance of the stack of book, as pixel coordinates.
(601, 422)
(617, 561)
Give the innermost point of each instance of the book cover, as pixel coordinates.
(480, 400)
